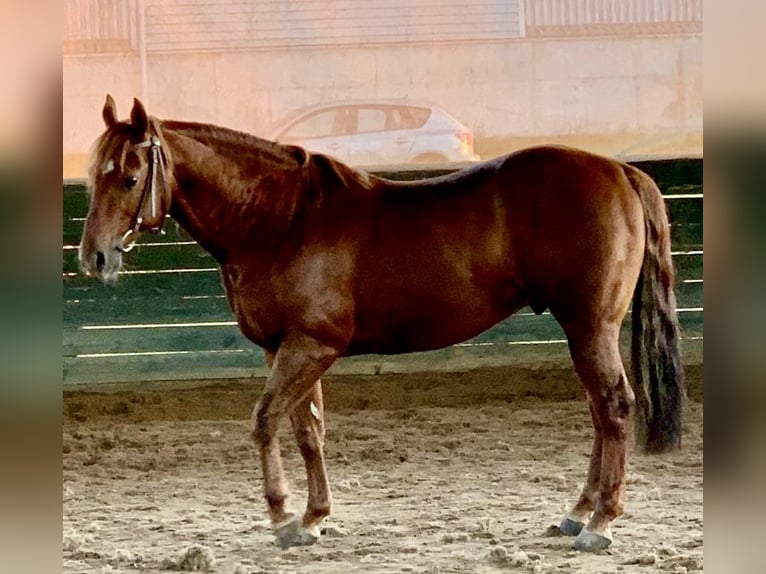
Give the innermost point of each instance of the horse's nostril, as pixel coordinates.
(100, 260)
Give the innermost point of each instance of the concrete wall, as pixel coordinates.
(532, 89)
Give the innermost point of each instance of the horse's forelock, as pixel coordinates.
(103, 156)
(110, 150)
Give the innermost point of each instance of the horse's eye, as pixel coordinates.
(130, 182)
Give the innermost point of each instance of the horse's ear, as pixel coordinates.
(298, 153)
(109, 113)
(138, 117)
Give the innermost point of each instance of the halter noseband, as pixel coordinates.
(157, 159)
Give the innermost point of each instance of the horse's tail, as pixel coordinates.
(657, 372)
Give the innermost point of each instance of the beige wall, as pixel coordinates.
(584, 90)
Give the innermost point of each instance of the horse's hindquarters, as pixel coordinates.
(577, 230)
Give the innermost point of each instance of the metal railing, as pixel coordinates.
(100, 26)
(109, 26)
(612, 17)
(93, 26)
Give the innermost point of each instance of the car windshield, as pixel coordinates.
(320, 124)
(287, 119)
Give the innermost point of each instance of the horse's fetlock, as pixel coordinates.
(317, 513)
(275, 500)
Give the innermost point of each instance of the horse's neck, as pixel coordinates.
(213, 201)
(199, 202)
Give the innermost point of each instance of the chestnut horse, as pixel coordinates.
(322, 261)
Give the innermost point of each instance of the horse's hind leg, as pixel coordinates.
(578, 517)
(598, 363)
(308, 425)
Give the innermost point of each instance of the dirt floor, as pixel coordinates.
(431, 472)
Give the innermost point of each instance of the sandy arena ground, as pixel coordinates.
(461, 472)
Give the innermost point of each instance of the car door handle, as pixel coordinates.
(334, 146)
(402, 140)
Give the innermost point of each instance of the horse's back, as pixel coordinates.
(447, 258)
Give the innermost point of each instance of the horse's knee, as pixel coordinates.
(261, 428)
(310, 451)
(309, 432)
(310, 442)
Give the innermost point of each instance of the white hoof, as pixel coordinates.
(588, 541)
(292, 533)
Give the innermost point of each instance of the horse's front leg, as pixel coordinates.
(297, 365)
(308, 424)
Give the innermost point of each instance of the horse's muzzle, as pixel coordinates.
(102, 264)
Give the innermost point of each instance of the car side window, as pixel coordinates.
(371, 120)
(396, 118)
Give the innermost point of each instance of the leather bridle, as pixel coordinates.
(156, 170)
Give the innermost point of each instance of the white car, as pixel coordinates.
(378, 132)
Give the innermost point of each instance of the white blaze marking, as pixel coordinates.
(314, 410)
(108, 167)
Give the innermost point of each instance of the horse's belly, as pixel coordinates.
(427, 326)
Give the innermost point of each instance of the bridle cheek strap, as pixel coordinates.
(157, 159)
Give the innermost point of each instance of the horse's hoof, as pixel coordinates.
(571, 527)
(588, 541)
(293, 533)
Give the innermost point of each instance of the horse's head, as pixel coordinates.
(130, 180)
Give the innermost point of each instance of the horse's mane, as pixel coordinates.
(227, 139)
(222, 138)
(312, 176)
